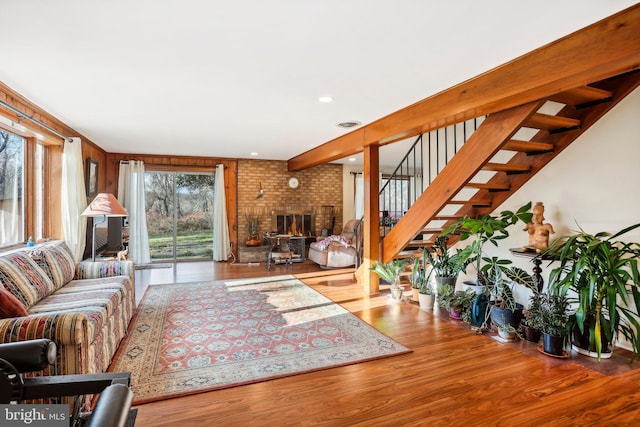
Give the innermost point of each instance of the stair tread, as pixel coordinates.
(473, 202)
(408, 254)
(551, 123)
(507, 167)
(528, 146)
(581, 95)
(414, 243)
(432, 230)
(488, 186)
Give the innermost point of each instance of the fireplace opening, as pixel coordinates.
(293, 223)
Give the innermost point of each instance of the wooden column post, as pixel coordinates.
(371, 233)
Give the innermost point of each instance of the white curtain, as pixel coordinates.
(358, 203)
(221, 241)
(73, 198)
(131, 197)
(10, 213)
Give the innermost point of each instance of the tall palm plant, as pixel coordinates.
(603, 272)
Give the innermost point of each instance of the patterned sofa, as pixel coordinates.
(85, 308)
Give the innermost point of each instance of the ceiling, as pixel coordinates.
(231, 78)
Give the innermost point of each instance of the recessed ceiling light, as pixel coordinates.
(253, 153)
(325, 99)
(352, 159)
(349, 124)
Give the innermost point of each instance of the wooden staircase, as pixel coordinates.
(498, 149)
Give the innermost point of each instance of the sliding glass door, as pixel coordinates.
(179, 215)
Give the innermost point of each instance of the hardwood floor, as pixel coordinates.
(452, 376)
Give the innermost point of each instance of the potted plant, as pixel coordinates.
(457, 303)
(506, 331)
(417, 278)
(253, 228)
(532, 319)
(500, 280)
(495, 274)
(554, 323)
(390, 272)
(444, 265)
(603, 273)
(423, 291)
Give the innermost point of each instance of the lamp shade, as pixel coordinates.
(105, 204)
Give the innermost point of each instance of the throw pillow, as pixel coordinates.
(22, 277)
(10, 306)
(57, 261)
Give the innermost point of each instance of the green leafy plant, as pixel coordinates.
(603, 272)
(443, 263)
(505, 329)
(419, 278)
(554, 314)
(533, 315)
(496, 274)
(390, 271)
(482, 230)
(460, 301)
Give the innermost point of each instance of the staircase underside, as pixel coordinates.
(496, 161)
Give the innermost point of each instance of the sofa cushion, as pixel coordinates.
(99, 299)
(21, 276)
(57, 261)
(9, 305)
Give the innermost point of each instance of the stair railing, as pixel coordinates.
(418, 168)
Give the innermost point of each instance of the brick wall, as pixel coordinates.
(319, 186)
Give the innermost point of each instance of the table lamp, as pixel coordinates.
(104, 205)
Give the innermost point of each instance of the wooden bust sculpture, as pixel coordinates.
(538, 232)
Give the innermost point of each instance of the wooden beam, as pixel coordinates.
(607, 48)
(481, 146)
(371, 229)
(348, 145)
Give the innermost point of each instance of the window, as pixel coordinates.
(12, 183)
(179, 215)
(395, 198)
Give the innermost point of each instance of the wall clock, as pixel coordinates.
(293, 182)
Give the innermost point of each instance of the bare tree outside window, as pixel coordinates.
(11, 188)
(179, 208)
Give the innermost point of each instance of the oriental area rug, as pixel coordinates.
(196, 337)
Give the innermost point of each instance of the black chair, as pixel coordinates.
(113, 408)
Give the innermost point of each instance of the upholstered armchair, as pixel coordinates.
(338, 251)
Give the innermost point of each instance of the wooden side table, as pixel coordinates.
(537, 259)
